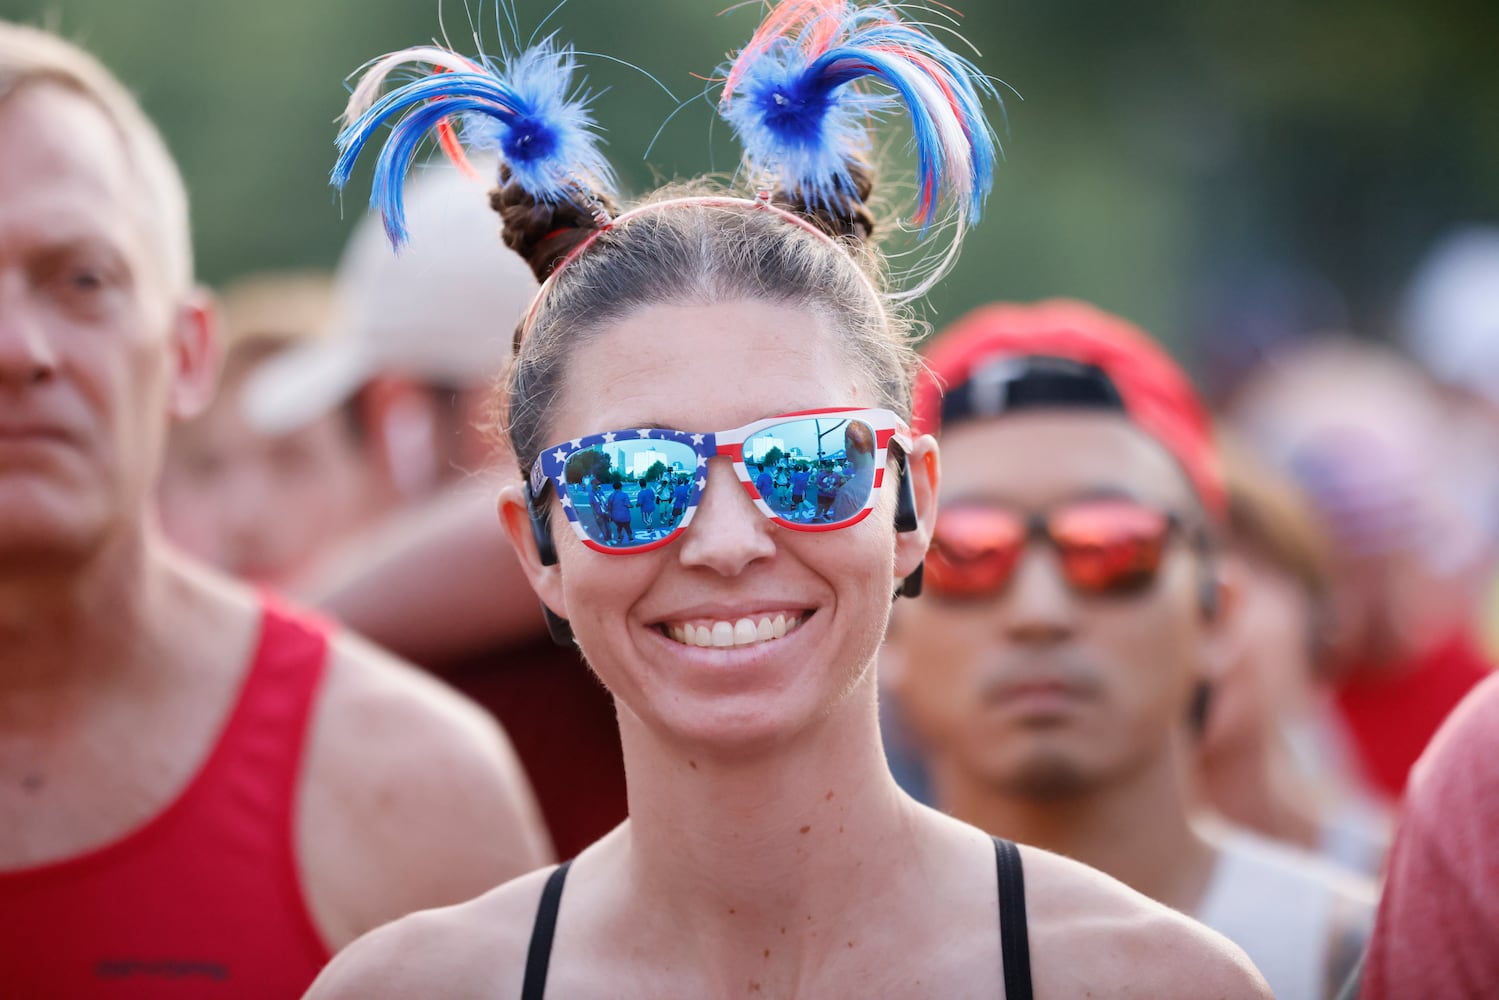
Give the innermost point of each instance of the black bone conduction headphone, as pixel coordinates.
(546, 550)
(557, 626)
(905, 520)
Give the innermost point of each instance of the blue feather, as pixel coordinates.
(526, 111)
(797, 105)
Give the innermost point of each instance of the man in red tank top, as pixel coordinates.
(202, 793)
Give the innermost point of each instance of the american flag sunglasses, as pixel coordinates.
(637, 489)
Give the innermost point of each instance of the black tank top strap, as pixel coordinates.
(539, 956)
(1014, 941)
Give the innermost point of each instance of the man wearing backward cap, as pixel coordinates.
(1058, 670)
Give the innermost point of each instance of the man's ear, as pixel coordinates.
(923, 469)
(197, 354)
(1219, 597)
(545, 579)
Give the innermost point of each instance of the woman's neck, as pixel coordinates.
(763, 854)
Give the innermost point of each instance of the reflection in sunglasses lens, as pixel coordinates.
(1110, 546)
(630, 492)
(974, 550)
(1102, 546)
(813, 470)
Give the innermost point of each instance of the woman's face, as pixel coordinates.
(709, 368)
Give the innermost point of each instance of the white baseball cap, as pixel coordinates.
(1451, 314)
(442, 309)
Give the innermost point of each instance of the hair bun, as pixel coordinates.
(845, 213)
(542, 232)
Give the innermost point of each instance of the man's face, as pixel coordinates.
(1040, 690)
(264, 507)
(89, 352)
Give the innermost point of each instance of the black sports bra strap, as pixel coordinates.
(1014, 941)
(534, 986)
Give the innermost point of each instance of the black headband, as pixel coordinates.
(1009, 384)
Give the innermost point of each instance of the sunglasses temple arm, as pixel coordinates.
(905, 499)
(905, 520)
(546, 549)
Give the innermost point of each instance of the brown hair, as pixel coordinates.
(695, 253)
(1269, 516)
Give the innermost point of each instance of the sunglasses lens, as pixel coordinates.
(813, 470)
(631, 492)
(974, 550)
(1109, 546)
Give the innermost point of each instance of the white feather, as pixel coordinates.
(367, 91)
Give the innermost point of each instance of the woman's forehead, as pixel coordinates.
(705, 367)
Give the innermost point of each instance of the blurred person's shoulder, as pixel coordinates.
(407, 778)
(1088, 929)
(1257, 871)
(1303, 919)
(1441, 896)
(374, 689)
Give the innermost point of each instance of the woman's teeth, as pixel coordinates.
(744, 632)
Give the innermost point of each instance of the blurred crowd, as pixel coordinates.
(1259, 717)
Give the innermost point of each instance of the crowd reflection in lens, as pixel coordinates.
(636, 490)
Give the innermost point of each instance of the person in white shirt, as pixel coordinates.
(1059, 671)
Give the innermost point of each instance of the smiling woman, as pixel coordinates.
(718, 344)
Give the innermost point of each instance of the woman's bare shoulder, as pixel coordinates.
(473, 950)
(1090, 932)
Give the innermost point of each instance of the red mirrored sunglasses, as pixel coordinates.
(1104, 546)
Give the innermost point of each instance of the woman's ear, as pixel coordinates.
(923, 471)
(545, 577)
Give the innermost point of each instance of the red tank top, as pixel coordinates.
(1392, 717)
(204, 899)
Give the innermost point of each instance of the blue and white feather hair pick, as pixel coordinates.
(526, 109)
(798, 98)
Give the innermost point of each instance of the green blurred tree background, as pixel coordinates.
(1165, 155)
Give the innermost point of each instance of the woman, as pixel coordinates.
(768, 850)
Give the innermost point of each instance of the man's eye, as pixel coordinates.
(86, 280)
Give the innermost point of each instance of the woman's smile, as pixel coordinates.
(750, 630)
